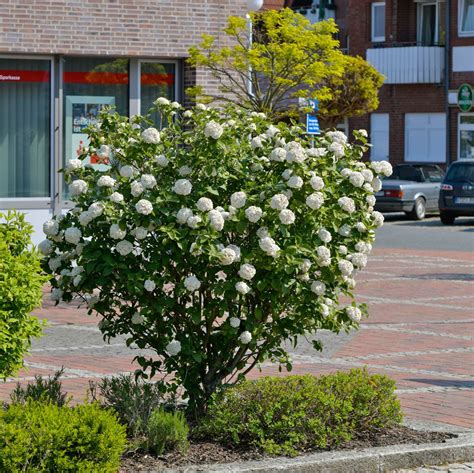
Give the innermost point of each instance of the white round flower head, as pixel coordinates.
(192, 283)
(253, 214)
(376, 184)
(247, 271)
(354, 313)
(73, 235)
(124, 247)
(173, 348)
(263, 232)
(137, 318)
(368, 187)
(74, 164)
(96, 209)
(79, 249)
(317, 183)
(136, 188)
(295, 182)
(144, 207)
(378, 218)
(286, 216)
(324, 235)
(347, 204)
(116, 232)
(279, 202)
(315, 200)
(227, 256)
(151, 135)
(370, 199)
(346, 172)
(182, 187)
(242, 287)
(213, 130)
(77, 280)
(45, 247)
(363, 247)
(149, 285)
(161, 160)
(367, 174)
(245, 338)
(344, 230)
(183, 215)
(50, 227)
(346, 267)
(78, 187)
(106, 181)
(337, 149)
(236, 250)
(194, 221)
(324, 255)
(316, 152)
(204, 204)
(54, 263)
(359, 260)
(256, 142)
(201, 106)
(162, 101)
(342, 249)
(148, 181)
(140, 233)
(356, 179)
(238, 199)
(269, 246)
(56, 294)
(85, 218)
(127, 171)
(185, 171)
(305, 266)
(77, 270)
(187, 114)
(175, 105)
(318, 287)
(278, 155)
(234, 322)
(116, 197)
(363, 133)
(337, 136)
(216, 220)
(360, 227)
(295, 152)
(286, 174)
(272, 130)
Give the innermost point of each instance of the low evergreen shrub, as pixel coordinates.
(296, 413)
(167, 431)
(41, 437)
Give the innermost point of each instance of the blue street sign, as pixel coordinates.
(312, 125)
(314, 104)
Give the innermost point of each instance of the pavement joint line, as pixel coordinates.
(433, 389)
(418, 332)
(72, 371)
(423, 322)
(410, 278)
(75, 348)
(384, 300)
(402, 258)
(78, 327)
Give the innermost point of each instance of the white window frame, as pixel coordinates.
(460, 14)
(420, 20)
(373, 6)
(467, 126)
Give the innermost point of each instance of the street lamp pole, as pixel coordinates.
(252, 5)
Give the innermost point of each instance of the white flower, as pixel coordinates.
(337, 136)
(363, 247)
(74, 164)
(204, 204)
(346, 267)
(316, 152)
(213, 130)
(359, 260)
(56, 294)
(187, 114)
(382, 167)
(124, 247)
(238, 199)
(193, 221)
(85, 218)
(315, 201)
(368, 175)
(305, 266)
(247, 271)
(242, 287)
(77, 280)
(77, 270)
(279, 202)
(344, 231)
(105, 181)
(356, 179)
(346, 172)
(54, 263)
(216, 220)
(272, 131)
(149, 285)
(78, 187)
(151, 135)
(363, 132)
(324, 235)
(286, 174)
(73, 235)
(347, 204)
(185, 171)
(116, 197)
(354, 313)
(378, 218)
(256, 142)
(360, 227)
(324, 310)
(140, 233)
(116, 232)
(318, 287)
(227, 256)
(175, 105)
(144, 207)
(295, 152)
(342, 249)
(201, 106)
(45, 247)
(245, 337)
(173, 348)
(236, 250)
(162, 160)
(324, 256)
(127, 171)
(376, 184)
(232, 211)
(269, 246)
(182, 187)
(370, 199)
(262, 232)
(162, 101)
(192, 283)
(295, 182)
(278, 155)
(79, 249)
(316, 183)
(253, 214)
(287, 217)
(337, 149)
(137, 318)
(136, 188)
(96, 209)
(234, 322)
(50, 227)
(148, 181)
(183, 214)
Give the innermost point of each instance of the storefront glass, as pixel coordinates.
(466, 136)
(25, 127)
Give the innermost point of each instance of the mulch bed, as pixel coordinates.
(201, 453)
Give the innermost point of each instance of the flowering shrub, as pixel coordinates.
(215, 239)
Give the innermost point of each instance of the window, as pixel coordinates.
(379, 136)
(425, 137)
(378, 22)
(25, 128)
(429, 23)
(466, 17)
(466, 136)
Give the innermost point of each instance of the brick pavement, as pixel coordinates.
(420, 332)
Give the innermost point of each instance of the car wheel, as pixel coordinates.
(419, 210)
(447, 219)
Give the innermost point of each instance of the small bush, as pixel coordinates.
(21, 283)
(295, 413)
(133, 401)
(167, 431)
(48, 390)
(39, 437)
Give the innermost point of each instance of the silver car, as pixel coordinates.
(412, 188)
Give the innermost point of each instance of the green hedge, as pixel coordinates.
(297, 413)
(39, 437)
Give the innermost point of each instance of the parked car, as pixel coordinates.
(456, 197)
(412, 188)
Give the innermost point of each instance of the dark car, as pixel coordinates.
(456, 198)
(412, 188)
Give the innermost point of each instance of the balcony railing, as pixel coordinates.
(409, 64)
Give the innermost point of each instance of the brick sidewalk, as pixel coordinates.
(420, 332)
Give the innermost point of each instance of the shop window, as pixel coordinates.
(466, 17)
(425, 137)
(466, 136)
(25, 128)
(378, 22)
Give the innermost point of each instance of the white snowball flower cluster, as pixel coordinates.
(279, 202)
(253, 213)
(234, 322)
(116, 232)
(242, 287)
(268, 245)
(370, 199)
(383, 168)
(337, 137)
(378, 218)
(45, 247)
(245, 337)
(238, 199)
(74, 164)
(144, 207)
(124, 247)
(162, 101)
(173, 348)
(162, 160)
(149, 285)
(356, 179)
(216, 220)
(287, 217)
(295, 153)
(50, 227)
(338, 149)
(193, 221)
(148, 181)
(247, 271)
(359, 260)
(324, 256)
(192, 283)
(185, 171)
(182, 187)
(204, 204)
(136, 188)
(73, 235)
(78, 187)
(183, 215)
(347, 204)
(315, 200)
(227, 256)
(318, 287)
(213, 130)
(316, 183)
(127, 171)
(140, 233)
(116, 197)
(278, 155)
(295, 182)
(324, 235)
(137, 318)
(376, 184)
(106, 181)
(151, 135)
(354, 313)
(346, 267)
